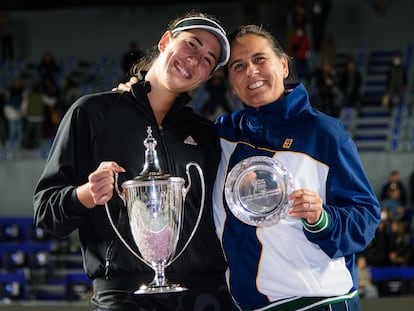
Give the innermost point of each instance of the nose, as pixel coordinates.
(251, 69)
(193, 60)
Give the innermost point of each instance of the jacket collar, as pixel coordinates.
(295, 101)
(143, 87)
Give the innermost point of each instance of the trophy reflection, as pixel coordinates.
(155, 202)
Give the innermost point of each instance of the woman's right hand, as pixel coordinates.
(100, 186)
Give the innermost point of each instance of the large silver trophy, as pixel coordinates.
(256, 191)
(155, 205)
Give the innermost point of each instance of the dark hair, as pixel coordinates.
(273, 42)
(145, 63)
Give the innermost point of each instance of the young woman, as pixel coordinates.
(104, 133)
(306, 261)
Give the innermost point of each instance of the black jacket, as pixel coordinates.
(112, 126)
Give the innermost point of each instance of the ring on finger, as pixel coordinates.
(309, 206)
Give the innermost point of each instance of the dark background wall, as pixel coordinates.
(90, 32)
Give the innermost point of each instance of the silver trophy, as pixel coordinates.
(256, 191)
(154, 202)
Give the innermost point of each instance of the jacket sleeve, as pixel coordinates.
(352, 209)
(56, 208)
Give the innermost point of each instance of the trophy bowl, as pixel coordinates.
(256, 191)
(155, 216)
(155, 212)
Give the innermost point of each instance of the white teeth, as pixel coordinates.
(183, 71)
(255, 85)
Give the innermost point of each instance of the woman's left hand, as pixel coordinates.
(306, 204)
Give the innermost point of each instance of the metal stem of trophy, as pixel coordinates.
(160, 276)
(155, 206)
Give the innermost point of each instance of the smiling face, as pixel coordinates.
(256, 73)
(187, 59)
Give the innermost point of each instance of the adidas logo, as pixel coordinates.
(190, 141)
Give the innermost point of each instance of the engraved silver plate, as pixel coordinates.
(256, 191)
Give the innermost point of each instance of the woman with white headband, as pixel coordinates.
(104, 133)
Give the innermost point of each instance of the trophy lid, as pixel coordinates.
(151, 169)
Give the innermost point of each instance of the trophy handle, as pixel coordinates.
(203, 195)
(108, 213)
(120, 194)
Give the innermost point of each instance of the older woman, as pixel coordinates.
(306, 260)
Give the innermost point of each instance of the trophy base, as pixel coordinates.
(169, 288)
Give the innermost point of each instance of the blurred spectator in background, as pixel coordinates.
(298, 41)
(301, 51)
(50, 97)
(396, 82)
(47, 68)
(400, 249)
(68, 94)
(366, 288)
(326, 89)
(395, 209)
(217, 101)
(6, 36)
(131, 57)
(412, 189)
(394, 181)
(319, 13)
(34, 111)
(3, 121)
(377, 252)
(392, 203)
(349, 83)
(328, 50)
(380, 6)
(297, 16)
(13, 112)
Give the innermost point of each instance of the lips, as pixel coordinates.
(256, 85)
(182, 71)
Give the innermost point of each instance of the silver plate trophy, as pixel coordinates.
(154, 202)
(256, 191)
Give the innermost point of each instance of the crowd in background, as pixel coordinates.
(333, 83)
(393, 244)
(31, 113)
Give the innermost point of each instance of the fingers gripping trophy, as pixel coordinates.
(155, 206)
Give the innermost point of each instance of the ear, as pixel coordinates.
(165, 39)
(285, 65)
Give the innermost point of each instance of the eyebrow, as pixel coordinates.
(201, 44)
(233, 62)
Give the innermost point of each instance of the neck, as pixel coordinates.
(160, 98)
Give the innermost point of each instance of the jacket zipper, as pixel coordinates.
(108, 254)
(164, 151)
(108, 259)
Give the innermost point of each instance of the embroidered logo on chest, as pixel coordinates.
(288, 143)
(190, 141)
